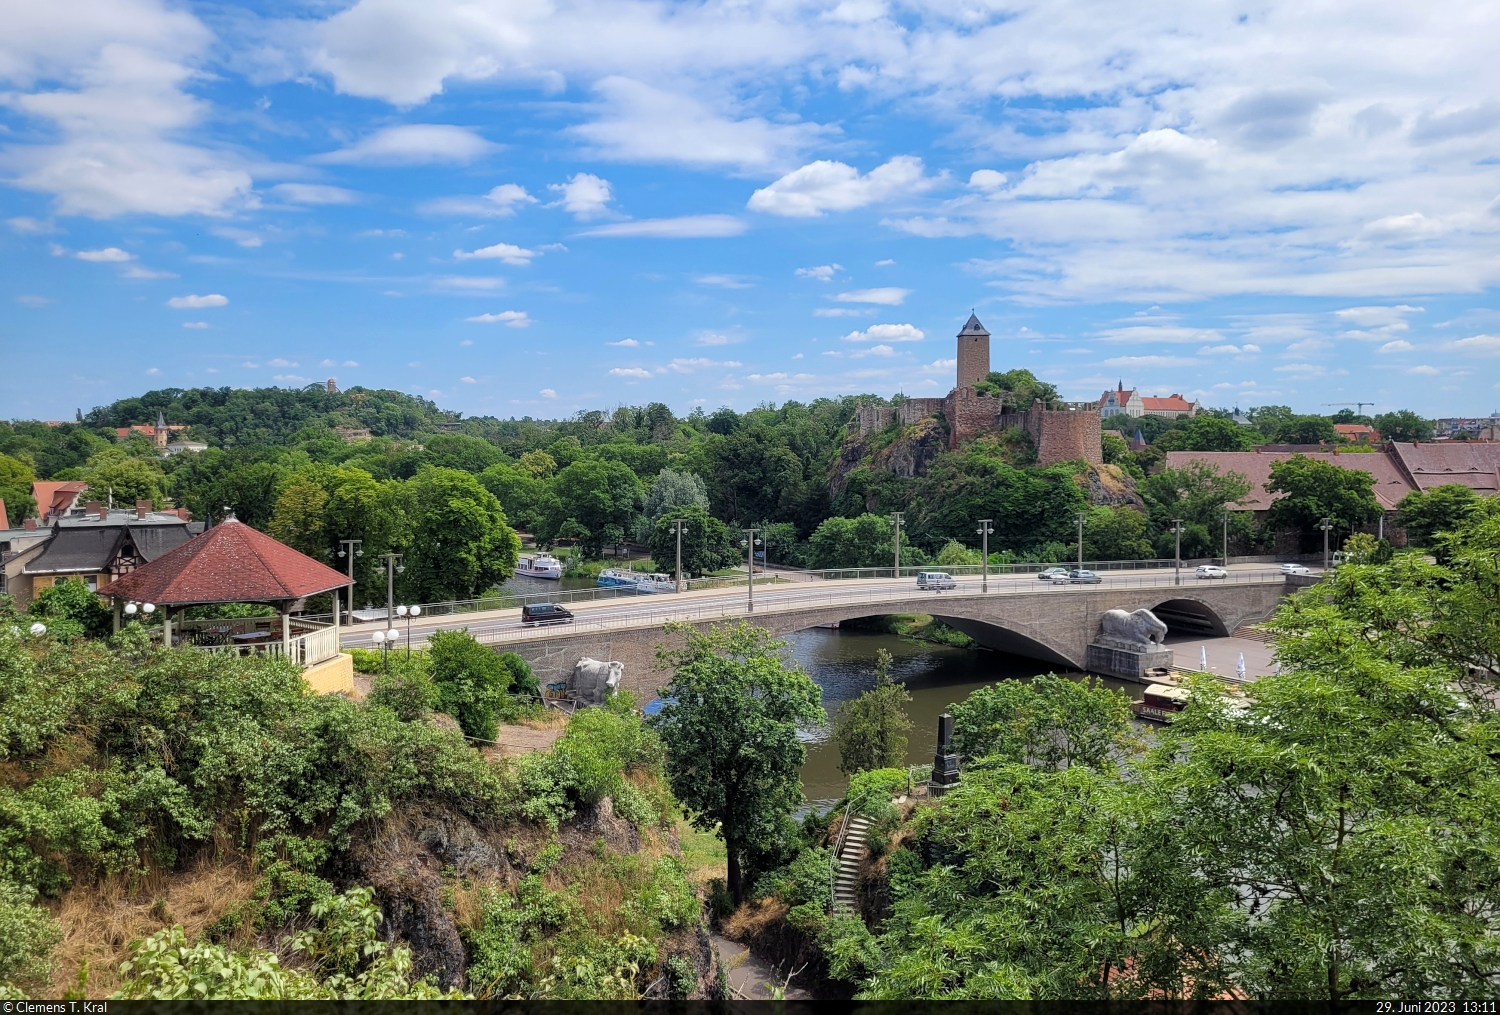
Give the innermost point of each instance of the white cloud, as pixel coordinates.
(685, 227)
(413, 144)
(888, 296)
(874, 350)
(986, 180)
(547, 393)
(625, 343)
(1248, 349)
(107, 254)
(468, 380)
(1375, 317)
(509, 318)
(289, 378)
(501, 202)
(1484, 345)
(1424, 371)
(278, 362)
(195, 324)
(153, 372)
(196, 302)
(885, 263)
(844, 312)
(712, 338)
(509, 253)
(1149, 361)
(823, 272)
(584, 196)
(635, 372)
(724, 281)
(242, 237)
(350, 363)
(251, 366)
(25, 225)
(1140, 334)
(886, 333)
(141, 271)
(689, 365)
(638, 122)
(33, 301)
(468, 282)
(1399, 345)
(314, 193)
(824, 186)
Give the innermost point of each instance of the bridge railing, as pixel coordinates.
(808, 597)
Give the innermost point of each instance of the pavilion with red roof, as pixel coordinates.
(233, 563)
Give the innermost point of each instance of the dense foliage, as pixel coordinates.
(870, 729)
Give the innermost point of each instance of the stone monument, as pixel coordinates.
(1130, 646)
(945, 762)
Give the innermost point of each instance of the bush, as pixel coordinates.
(872, 791)
(69, 610)
(472, 681)
(407, 691)
(27, 934)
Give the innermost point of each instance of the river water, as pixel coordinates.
(842, 662)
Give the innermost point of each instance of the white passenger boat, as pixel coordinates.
(540, 566)
(655, 582)
(616, 577)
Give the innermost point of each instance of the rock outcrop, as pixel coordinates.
(1112, 486)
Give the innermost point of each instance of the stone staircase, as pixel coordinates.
(852, 850)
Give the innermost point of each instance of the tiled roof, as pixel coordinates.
(973, 327)
(1355, 429)
(230, 563)
(1171, 402)
(1391, 482)
(54, 496)
(1474, 465)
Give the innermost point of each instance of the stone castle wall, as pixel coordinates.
(970, 415)
(1062, 436)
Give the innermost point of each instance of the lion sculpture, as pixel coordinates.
(1140, 629)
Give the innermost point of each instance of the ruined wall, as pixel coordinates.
(914, 409)
(870, 418)
(1063, 436)
(970, 415)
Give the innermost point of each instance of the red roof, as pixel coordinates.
(54, 497)
(230, 563)
(1169, 404)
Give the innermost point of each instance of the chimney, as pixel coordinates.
(141, 507)
(29, 525)
(4, 518)
(333, 388)
(94, 509)
(184, 514)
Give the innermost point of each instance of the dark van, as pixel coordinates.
(545, 613)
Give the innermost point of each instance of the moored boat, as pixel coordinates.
(616, 577)
(655, 582)
(542, 565)
(1161, 703)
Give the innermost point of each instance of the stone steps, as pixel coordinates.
(846, 881)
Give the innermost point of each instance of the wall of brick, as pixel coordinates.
(1063, 436)
(970, 415)
(870, 418)
(914, 409)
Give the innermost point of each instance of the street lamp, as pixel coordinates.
(380, 642)
(147, 608)
(896, 516)
(985, 531)
(678, 523)
(750, 543)
(38, 629)
(1327, 526)
(408, 612)
(1177, 529)
(1226, 537)
(391, 570)
(1081, 517)
(350, 548)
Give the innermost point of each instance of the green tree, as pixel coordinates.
(733, 708)
(1313, 490)
(1447, 508)
(70, 609)
(460, 451)
(1268, 419)
(527, 499)
(1018, 388)
(1307, 430)
(16, 478)
(602, 497)
(1031, 507)
(1197, 493)
(1050, 723)
(870, 730)
(114, 473)
(1115, 533)
(1205, 432)
(853, 542)
(1404, 425)
(472, 681)
(706, 543)
(673, 490)
(460, 545)
(298, 518)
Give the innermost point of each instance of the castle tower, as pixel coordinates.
(973, 353)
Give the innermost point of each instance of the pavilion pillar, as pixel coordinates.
(166, 627)
(337, 647)
(119, 611)
(286, 632)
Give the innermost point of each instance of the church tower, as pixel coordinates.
(973, 353)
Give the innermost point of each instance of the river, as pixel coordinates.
(843, 663)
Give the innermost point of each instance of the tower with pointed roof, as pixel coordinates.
(973, 353)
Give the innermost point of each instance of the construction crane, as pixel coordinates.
(1359, 407)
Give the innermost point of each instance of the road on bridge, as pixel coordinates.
(500, 627)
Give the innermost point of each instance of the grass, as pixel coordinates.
(703, 853)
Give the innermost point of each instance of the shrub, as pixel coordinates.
(69, 609)
(27, 934)
(472, 681)
(407, 691)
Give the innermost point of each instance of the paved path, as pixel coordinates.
(1223, 655)
(644, 611)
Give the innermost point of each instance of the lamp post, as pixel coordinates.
(350, 548)
(1226, 537)
(985, 531)
(1177, 529)
(678, 523)
(391, 570)
(1081, 517)
(1327, 526)
(408, 612)
(750, 543)
(896, 517)
(381, 643)
(38, 629)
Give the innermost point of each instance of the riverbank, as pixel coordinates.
(915, 627)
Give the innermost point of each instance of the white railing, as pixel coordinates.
(504, 626)
(307, 648)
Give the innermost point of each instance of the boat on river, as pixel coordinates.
(542, 565)
(620, 578)
(616, 577)
(1161, 703)
(656, 582)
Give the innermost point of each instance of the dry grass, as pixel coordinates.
(755, 920)
(552, 719)
(99, 921)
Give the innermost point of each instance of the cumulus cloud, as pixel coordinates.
(823, 272)
(197, 302)
(825, 186)
(632, 372)
(886, 333)
(468, 380)
(105, 255)
(547, 393)
(508, 253)
(509, 318)
(888, 296)
(1484, 345)
(500, 202)
(413, 144)
(625, 343)
(684, 227)
(278, 362)
(1424, 371)
(1399, 345)
(584, 196)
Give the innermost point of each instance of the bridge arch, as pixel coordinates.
(1190, 616)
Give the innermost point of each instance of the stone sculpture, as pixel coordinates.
(593, 680)
(1138, 630)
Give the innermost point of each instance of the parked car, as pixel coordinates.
(1295, 569)
(1054, 574)
(1211, 571)
(1083, 576)
(935, 580)
(545, 613)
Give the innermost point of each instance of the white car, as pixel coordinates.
(935, 580)
(1211, 571)
(1295, 569)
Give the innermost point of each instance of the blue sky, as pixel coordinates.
(523, 208)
